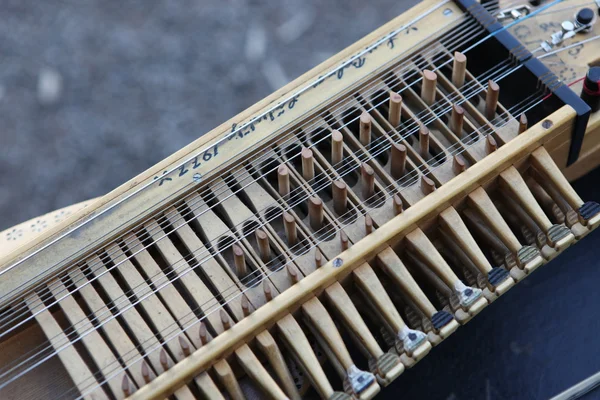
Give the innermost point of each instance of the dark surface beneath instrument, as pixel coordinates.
(533, 343)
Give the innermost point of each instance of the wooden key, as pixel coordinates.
(470, 298)
(457, 120)
(283, 179)
(337, 147)
(291, 232)
(363, 384)
(308, 164)
(340, 197)
(315, 212)
(365, 129)
(264, 248)
(208, 387)
(395, 109)
(258, 374)
(559, 236)
(269, 347)
(368, 181)
(349, 314)
(550, 204)
(523, 124)
(424, 142)
(459, 68)
(589, 212)
(226, 376)
(491, 100)
(443, 323)
(451, 223)
(527, 257)
(300, 347)
(412, 342)
(398, 160)
(428, 87)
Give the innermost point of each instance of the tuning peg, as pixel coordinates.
(395, 109)
(315, 212)
(283, 179)
(428, 87)
(459, 68)
(365, 129)
(340, 197)
(308, 164)
(264, 247)
(337, 147)
(491, 100)
(398, 163)
(290, 228)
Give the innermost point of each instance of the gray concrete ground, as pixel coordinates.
(93, 93)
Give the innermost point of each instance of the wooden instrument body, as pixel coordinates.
(113, 209)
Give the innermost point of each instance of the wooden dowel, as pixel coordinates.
(457, 120)
(365, 129)
(267, 290)
(340, 197)
(239, 259)
(490, 144)
(291, 232)
(146, 372)
(368, 224)
(491, 100)
(398, 163)
(458, 164)
(424, 142)
(337, 147)
(459, 68)
(427, 185)
(185, 346)
(343, 240)
(203, 334)
(398, 205)
(368, 181)
(245, 304)
(164, 360)
(523, 123)
(315, 213)
(428, 87)
(225, 320)
(308, 164)
(263, 245)
(318, 258)
(395, 109)
(293, 273)
(283, 179)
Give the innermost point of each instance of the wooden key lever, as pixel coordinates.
(470, 299)
(359, 383)
(498, 278)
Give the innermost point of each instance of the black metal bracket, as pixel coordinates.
(546, 77)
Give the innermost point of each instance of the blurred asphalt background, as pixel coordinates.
(93, 93)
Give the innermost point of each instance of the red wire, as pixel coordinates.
(570, 84)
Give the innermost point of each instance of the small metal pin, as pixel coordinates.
(365, 129)
(395, 109)
(185, 346)
(308, 164)
(398, 162)
(283, 179)
(337, 147)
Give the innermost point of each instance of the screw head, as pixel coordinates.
(338, 262)
(197, 177)
(547, 124)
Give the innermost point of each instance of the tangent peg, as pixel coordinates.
(315, 212)
(267, 289)
(343, 240)
(240, 261)
(458, 164)
(185, 346)
(365, 129)
(203, 334)
(293, 273)
(398, 206)
(340, 197)
(308, 164)
(368, 181)
(427, 185)
(424, 142)
(428, 87)
(368, 224)
(125, 386)
(490, 144)
(245, 304)
(491, 100)
(318, 258)
(291, 232)
(283, 179)
(337, 147)
(523, 123)
(146, 372)
(457, 120)
(398, 163)
(459, 68)
(395, 109)
(225, 320)
(164, 361)
(263, 245)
